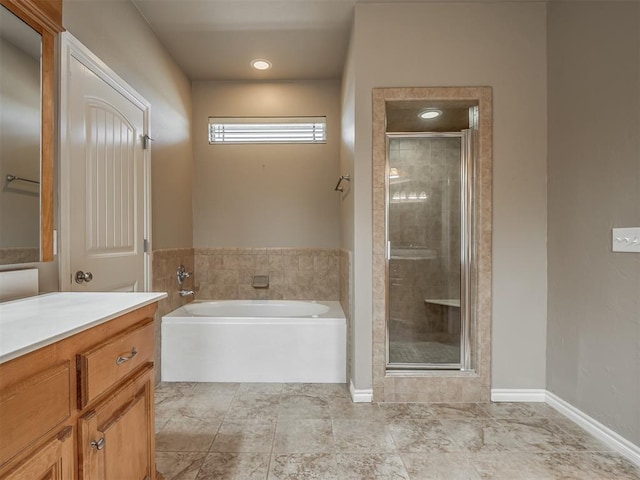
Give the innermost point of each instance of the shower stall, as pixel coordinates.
(429, 203)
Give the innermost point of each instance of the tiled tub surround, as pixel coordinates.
(294, 273)
(12, 255)
(434, 386)
(165, 264)
(302, 431)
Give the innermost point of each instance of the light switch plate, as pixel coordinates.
(626, 239)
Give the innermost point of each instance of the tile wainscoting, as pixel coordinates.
(294, 273)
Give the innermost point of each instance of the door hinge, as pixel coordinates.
(145, 141)
(145, 245)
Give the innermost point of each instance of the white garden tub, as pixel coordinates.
(255, 341)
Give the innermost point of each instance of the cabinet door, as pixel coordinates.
(116, 439)
(54, 460)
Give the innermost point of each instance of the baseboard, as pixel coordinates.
(518, 395)
(603, 433)
(360, 396)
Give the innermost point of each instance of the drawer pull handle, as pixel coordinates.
(98, 444)
(121, 359)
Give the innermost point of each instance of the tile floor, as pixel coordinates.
(312, 431)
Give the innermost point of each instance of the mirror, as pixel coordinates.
(25, 143)
(20, 120)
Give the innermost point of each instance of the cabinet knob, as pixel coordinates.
(98, 444)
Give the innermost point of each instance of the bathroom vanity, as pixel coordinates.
(76, 386)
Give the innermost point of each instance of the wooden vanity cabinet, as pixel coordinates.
(82, 408)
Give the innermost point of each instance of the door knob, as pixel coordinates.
(83, 276)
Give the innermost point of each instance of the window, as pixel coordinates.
(267, 130)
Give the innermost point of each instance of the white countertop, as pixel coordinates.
(34, 322)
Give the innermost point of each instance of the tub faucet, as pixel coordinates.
(182, 274)
(186, 293)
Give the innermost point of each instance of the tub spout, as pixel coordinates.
(186, 293)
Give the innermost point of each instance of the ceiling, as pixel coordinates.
(216, 39)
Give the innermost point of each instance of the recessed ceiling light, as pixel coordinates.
(261, 64)
(430, 113)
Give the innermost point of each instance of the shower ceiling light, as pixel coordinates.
(261, 64)
(430, 113)
(393, 173)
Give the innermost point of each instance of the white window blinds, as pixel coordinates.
(267, 130)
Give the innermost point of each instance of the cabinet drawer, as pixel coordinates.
(32, 407)
(107, 363)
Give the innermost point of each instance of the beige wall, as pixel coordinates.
(502, 45)
(594, 185)
(120, 37)
(266, 195)
(347, 155)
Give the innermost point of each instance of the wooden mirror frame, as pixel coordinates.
(45, 17)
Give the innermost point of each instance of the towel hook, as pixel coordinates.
(339, 188)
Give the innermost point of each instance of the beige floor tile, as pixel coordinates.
(314, 431)
(362, 436)
(589, 466)
(481, 435)
(184, 434)
(303, 466)
(371, 466)
(179, 465)
(510, 466)
(444, 411)
(519, 410)
(439, 466)
(254, 436)
(325, 390)
(427, 436)
(260, 388)
(254, 407)
(234, 466)
(303, 406)
(538, 435)
(303, 436)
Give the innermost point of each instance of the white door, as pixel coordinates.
(105, 141)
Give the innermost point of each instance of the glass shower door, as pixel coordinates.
(426, 250)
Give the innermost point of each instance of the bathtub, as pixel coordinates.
(284, 341)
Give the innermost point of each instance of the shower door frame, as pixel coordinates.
(468, 139)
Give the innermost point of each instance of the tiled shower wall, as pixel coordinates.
(294, 273)
(165, 264)
(431, 226)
